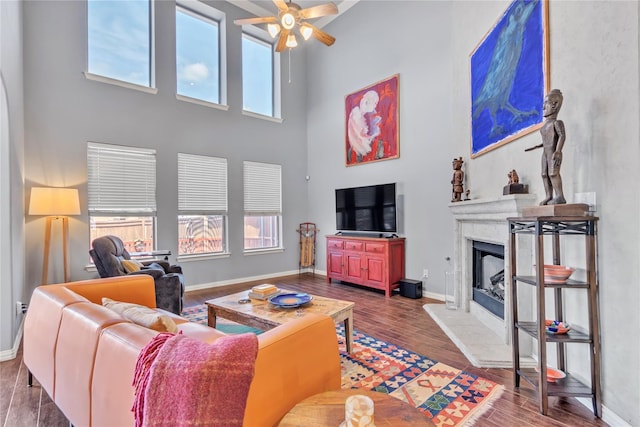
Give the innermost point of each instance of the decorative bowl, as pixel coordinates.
(557, 327)
(553, 374)
(557, 273)
(290, 300)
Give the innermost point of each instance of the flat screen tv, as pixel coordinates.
(371, 208)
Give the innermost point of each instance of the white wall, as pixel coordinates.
(594, 61)
(65, 110)
(11, 176)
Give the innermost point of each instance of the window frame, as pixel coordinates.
(105, 202)
(261, 36)
(200, 10)
(152, 89)
(256, 212)
(217, 208)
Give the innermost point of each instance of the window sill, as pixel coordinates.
(116, 82)
(202, 102)
(202, 257)
(262, 251)
(262, 116)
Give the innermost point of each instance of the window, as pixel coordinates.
(202, 205)
(122, 194)
(119, 40)
(260, 78)
(198, 51)
(262, 206)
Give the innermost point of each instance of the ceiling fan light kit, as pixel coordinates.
(291, 41)
(290, 16)
(273, 29)
(306, 31)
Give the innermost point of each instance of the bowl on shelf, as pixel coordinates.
(553, 374)
(557, 273)
(557, 327)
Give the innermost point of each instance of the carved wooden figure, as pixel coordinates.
(457, 180)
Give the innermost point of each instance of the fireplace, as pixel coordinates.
(488, 276)
(481, 239)
(484, 223)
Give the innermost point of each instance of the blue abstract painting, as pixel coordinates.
(509, 77)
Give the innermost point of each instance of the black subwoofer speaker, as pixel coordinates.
(411, 288)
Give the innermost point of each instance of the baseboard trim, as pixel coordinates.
(608, 416)
(209, 285)
(13, 352)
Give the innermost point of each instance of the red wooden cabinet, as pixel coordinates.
(374, 262)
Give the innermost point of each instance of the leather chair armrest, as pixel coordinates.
(169, 292)
(164, 264)
(156, 274)
(175, 269)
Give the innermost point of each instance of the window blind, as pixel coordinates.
(121, 179)
(202, 184)
(262, 188)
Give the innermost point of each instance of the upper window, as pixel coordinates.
(120, 41)
(202, 205)
(122, 194)
(197, 55)
(262, 206)
(257, 76)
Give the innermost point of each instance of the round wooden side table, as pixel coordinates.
(327, 409)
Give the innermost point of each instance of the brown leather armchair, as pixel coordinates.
(108, 252)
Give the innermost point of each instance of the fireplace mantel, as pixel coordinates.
(496, 209)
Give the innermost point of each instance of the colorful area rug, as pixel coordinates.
(448, 396)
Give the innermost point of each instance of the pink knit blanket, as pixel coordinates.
(182, 381)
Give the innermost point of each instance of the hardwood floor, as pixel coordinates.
(401, 321)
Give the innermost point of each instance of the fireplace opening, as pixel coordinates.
(488, 276)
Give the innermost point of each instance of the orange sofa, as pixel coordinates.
(84, 355)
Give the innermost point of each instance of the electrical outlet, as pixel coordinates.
(425, 273)
(21, 308)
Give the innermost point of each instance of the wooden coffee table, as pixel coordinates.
(264, 315)
(327, 409)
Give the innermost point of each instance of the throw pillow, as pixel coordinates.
(131, 265)
(141, 315)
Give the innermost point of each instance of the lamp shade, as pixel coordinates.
(306, 31)
(52, 201)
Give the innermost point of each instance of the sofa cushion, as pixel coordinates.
(131, 265)
(141, 315)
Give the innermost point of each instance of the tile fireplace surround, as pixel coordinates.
(482, 336)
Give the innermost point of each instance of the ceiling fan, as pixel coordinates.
(291, 16)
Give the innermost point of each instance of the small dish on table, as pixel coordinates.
(290, 300)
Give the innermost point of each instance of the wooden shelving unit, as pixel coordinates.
(555, 227)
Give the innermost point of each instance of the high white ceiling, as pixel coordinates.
(267, 8)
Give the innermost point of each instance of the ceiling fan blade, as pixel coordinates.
(321, 36)
(318, 11)
(281, 5)
(282, 41)
(259, 20)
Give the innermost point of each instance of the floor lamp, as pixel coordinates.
(55, 203)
